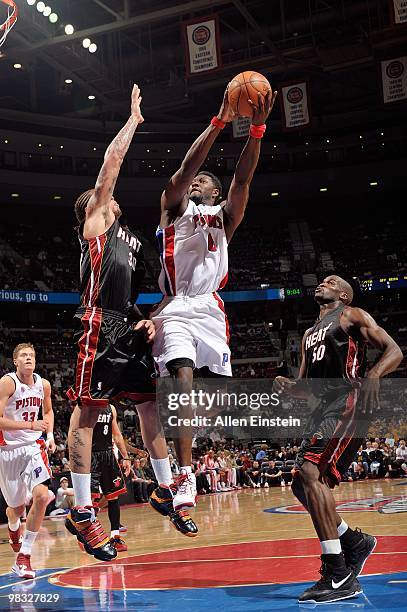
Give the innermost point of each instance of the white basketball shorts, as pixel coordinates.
(22, 469)
(195, 328)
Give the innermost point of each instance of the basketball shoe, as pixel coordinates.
(331, 587)
(15, 539)
(83, 524)
(22, 567)
(186, 494)
(357, 547)
(119, 544)
(162, 499)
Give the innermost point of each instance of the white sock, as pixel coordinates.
(186, 468)
(28, 541)
(342, 528)
(14, 526)
(81, 487)
(115, 533)
(331, 547)
(162, 471)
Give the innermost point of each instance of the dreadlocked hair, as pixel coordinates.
(81, 204)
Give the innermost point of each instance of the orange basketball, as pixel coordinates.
(246, 86)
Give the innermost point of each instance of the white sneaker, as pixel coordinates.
(186, 491)
(266, 485)
(22, 567)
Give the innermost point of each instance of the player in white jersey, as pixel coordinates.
(196, 225)
(24, 468)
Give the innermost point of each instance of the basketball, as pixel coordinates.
(244, 87)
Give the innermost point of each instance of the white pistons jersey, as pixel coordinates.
(194, 252)
(23, 405)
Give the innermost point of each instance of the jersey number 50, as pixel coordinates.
(318, 353)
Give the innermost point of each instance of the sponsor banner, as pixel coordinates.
(202, 46)
(400, 11)
(241, 126)
(296, 113)
(394, 79)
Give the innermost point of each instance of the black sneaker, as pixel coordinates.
(357, 553)
(183, 523)
(331, 588)
(82, 523)
(161, 500)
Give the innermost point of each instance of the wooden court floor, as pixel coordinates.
(248, 539)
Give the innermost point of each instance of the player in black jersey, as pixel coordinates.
(333, 361)
(114, 359)
(107, 476)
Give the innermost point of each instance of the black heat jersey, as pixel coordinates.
(111, 270)
(102, 433)
(331, 354)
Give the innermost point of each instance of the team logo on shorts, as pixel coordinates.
(37, 471)
(225, 359)
(117, 482)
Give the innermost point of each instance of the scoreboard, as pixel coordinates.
(380, 284)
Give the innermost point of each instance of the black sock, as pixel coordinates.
(113, 510)
(350, 537)
(336, 564)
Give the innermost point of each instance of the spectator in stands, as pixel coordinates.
(130, 417)
(361, 464)
(254, 475)
(173, 465)
(202, 482)
(225, 474)
(262, 453)
(401, 456)
(272, 475)
(65, 496)
(294, 351)
(376, 458)
(212, 470)
(140, 482)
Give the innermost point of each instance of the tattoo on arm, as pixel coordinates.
(120, 144)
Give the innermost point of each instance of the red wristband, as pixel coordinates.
(218, 122)
(257, 131)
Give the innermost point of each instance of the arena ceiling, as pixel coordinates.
(335, 44)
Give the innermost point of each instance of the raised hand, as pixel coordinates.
(262, 107)
(226, 113)
(135, 104)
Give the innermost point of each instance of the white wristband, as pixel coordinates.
(50, 437)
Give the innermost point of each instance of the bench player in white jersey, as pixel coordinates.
(196, 226)
(24, 468)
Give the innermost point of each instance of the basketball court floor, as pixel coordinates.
(256, 551)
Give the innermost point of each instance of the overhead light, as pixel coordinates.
(53, 18)
(40, 7)
(360, 136)
(6, 142)
(274, 194)
(323, 189)
(91, 97)
(61, 147)
(373, 183)
(381, 133)
(69, 29)
(17, 66)
(57, 197)
(93, 48)
(86, 43)
(94, 148)
(148, 150)
(31, 2)
(15, 195)
(39, 144)
(68, 81)
(168, 150)
(47, 11)
(327, 141)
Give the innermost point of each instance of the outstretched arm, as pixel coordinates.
(238, 195)
(173, 198)
(99, 216)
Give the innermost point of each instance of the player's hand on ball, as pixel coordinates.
(148, 328)
(226, 113)
(39, 425)
(281, 384)
(135, 104)
(262, 107)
